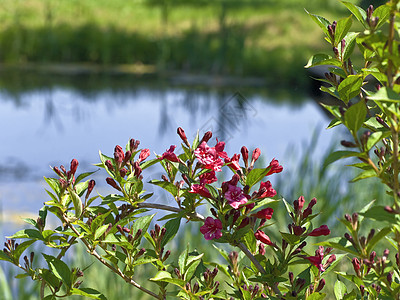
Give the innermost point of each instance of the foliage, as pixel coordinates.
(114, 228)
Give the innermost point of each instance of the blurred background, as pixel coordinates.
(79, 76)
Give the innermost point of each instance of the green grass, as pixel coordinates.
(273, 39)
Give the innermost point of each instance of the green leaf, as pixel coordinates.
(350, 40)
(385, 95)
(4, 256)
(383, 13)
(166, 277)
(54, 184)
(350, 87)
(83, 176)
(30, 221)
(250, 241)
(256, 175)
(357, 11)
(334, 156)
(340, 289)
(342, 28)
(223, 253)
(354, 117)
(321, 22)
(142, 223)
(166, 185)
(292, 239)
(98, 221)
(59, 269)
(322, 59)
(316, 296)
(172, 227)
(340, 244)
(88, 292)
(192, 263)
(76, 200)
(99, 231)
(27, 234)
(365, 174)
(379, 213)
(377, 237)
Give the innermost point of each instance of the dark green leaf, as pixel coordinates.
(172, 227)
(88, 292)
(76, 200)
(357, 11)
(350, 40)
(321, 22)
(322, 59)
(250, 241)
(256, 175)
(59, 269)
(340, 244)
(342, 28)
(377, 237)
(383, 13)
(365, 174)
(334, 156)
(379, 213)
(27, 234)
(354, 117)
(166, 185)
(54, 184)
(350, 87)
(83, 176)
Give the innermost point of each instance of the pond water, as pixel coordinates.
(51, 125)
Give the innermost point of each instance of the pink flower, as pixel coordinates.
(235, 196)
(233, 162)
(265, 213)
(262, 237)
(209, 156)
(322, 230)
(274, 167)
(145, 153)
(170, 155)
(211, 229)
(266, 190)
(201, 190)
(317, 259)
(219, 147)
(207, 178)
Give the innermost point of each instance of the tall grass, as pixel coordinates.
(271, 39)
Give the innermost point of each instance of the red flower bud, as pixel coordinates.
(322, 230)
(74, 166)
(112, 182)
(57, 171)
(262, 237)
(91, 185)
(206, 137)
(118, 154)
(298, 230)
(245, 155)
(145, 153)
(265, 213)
(109, 165)
(123, 172)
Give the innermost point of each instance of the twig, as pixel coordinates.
(259, 267)
(170, 208)
(112, 268)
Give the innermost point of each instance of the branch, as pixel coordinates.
(195, 215)
(259, 267)
(112, 268)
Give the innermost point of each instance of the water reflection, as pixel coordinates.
(50, 125)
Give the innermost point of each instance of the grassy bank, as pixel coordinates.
(270, 39)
